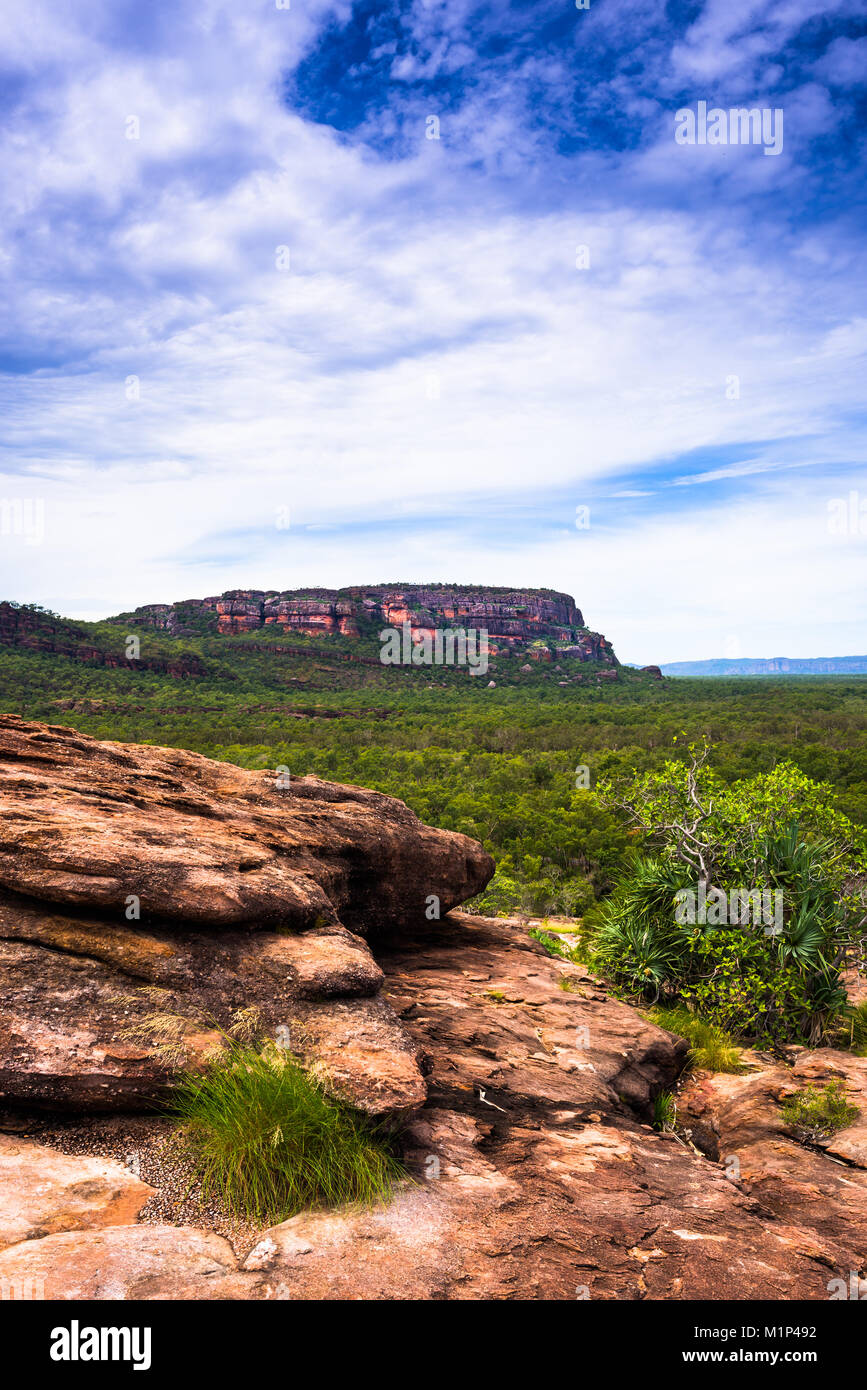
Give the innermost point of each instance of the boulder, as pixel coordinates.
(153, 901)
(183, 839)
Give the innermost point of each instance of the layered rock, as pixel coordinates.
(536, 1172)
(185, 894)
(512, 618)
(539, 1176)
(739, 1117)
(91, 824)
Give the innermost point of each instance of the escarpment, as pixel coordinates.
(514, 619)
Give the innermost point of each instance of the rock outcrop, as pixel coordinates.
(537, 1174)
(512, 618)
(90, 824)
(822, 1184)
(140, 883)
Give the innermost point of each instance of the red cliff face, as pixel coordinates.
(513, 618)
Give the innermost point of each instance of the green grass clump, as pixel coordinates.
(569, 983)
(665, 1112)
(267, 1142)
(711, 1048)
(816, 1113)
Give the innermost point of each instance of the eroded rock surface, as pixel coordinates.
(125, 1262)
(822, 1185)
(536, 1172)
(43, 1192)
(101, 1018)
(148, 897)
(91, 824)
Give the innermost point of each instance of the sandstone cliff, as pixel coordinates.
(513, 618)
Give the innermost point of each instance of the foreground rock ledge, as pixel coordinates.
(141, 883)
(537, 1175)
(87, 824)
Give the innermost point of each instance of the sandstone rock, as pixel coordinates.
(90, 825)
(100, 1018)
(43, 1192)
(741, 1117)
(536, 1174)
(126, 1262)
(535, 1180)
(241, 887)
(511, 617)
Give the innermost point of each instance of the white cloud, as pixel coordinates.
(432, 347)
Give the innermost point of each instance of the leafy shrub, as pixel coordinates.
(769, 983)
(267, 1142)
(636, 937)
(819, 1112)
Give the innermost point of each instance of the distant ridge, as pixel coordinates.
(770, 666)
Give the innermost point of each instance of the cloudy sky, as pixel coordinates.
(246, 285)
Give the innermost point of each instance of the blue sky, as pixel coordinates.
(463, 340)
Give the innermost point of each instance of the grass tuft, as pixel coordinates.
(665, 1112)
(711, 1048)
(267, 1142)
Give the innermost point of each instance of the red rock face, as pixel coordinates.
(239, 611)
(512, 618)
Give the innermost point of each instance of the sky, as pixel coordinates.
(309, 293)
